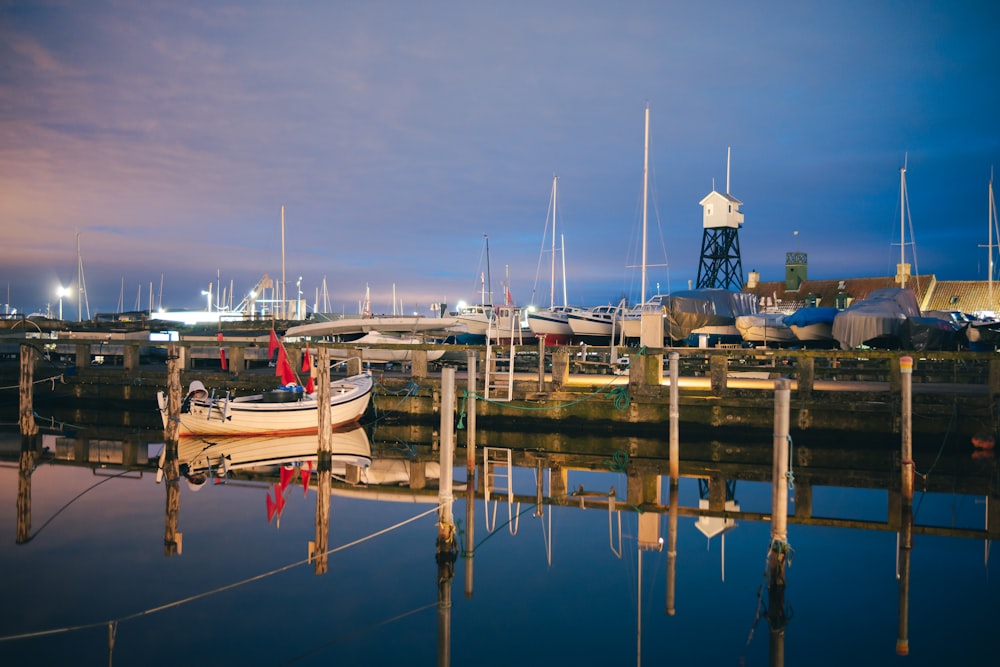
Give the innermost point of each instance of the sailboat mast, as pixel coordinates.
(902, 224)
(991, 217)
(552, 282)
(284, 304)
(562, 240)
(645, 201)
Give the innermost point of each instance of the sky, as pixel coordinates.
(164, 137)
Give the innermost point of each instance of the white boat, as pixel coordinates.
(200, 459)
(765, 329)
(362, 325)
(381, 355)
(595, 325)
(286, 410)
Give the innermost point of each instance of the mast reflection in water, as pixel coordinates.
(232, 557)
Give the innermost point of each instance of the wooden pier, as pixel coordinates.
(616, 390)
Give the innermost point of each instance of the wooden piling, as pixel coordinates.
(779, 476)
(319, 548)
(447, 454)
(675, 414)
(26, 420)
(906, 457)
(541, 362)
(172, 538)
(470, 421)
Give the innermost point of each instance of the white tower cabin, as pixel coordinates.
(720, 264)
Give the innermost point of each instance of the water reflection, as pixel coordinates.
(585, 579)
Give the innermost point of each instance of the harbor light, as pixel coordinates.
(61, 292)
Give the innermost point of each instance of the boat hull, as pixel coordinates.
(257, 415)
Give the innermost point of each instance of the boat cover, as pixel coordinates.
(804, 317)
(688, 310)
(878, 321)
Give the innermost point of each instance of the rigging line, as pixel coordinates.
(75, 498)
(209, 593)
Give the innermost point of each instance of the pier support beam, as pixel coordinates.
(130, 356)
(237, 359)
(719, 370)
(26, 420)
(560, 368)
(418, 364)
(807, 377)
(83, 355)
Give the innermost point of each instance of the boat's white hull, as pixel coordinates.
(763, 330)
(383, 355)
(551, 324)
(821, 332)
(252, 415)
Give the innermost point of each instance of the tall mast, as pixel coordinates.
(902, 224)
(562, 239)
(645, 200)
(284, 304)
(992, 217)
(552, 284)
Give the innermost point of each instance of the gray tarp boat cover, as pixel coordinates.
(688, 310)
(880, 317)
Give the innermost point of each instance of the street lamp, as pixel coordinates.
(298, 302)
(61, 292)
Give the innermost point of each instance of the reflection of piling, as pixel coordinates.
(318, 550)
(905, 546)
(26, 420)
(26, 466)
(778, 553)
(675, 413)
(468, 553)
(906, 378)
(672, 546)
(171, 472)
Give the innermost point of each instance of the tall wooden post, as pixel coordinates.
(319, 548)
(172, 538)
(778, 553)
(470, 421)
(447, 550)
(906, 387)
(675, 414)
(26, 420)
(541, 362)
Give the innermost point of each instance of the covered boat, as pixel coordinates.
(813, 326)
(766, 329)
(706, 315)
(878, 321)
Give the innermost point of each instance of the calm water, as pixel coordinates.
(561, 589)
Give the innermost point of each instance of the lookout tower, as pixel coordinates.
(720, 264)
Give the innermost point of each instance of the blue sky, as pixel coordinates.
(398, 134)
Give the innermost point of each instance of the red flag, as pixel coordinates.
(285, 476)
(222, 352)
(306, 471)
(284, 369)
(273, 344)
(307, 368)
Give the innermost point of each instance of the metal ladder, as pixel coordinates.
(222, 403)
(497, 470)
(498, 380)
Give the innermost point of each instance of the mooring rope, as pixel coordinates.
(220, 589)
(50, 379)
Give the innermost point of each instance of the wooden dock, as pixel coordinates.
(615, 390)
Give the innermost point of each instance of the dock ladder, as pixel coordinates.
(497, 471)
(498, 384)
